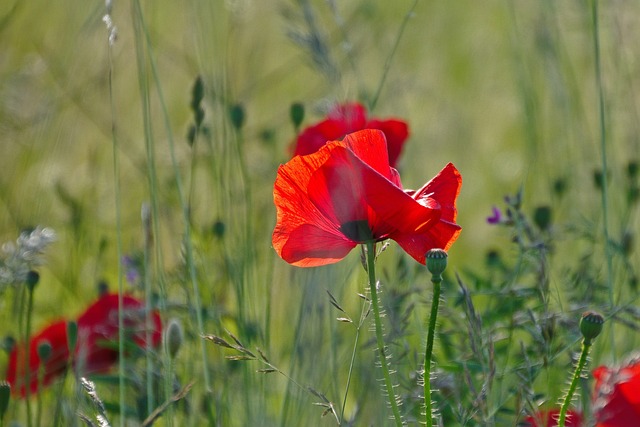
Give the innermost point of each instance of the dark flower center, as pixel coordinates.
(358, 231)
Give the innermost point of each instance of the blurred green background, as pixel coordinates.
(506, 90)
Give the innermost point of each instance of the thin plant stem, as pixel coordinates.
(188, 244)
(586, 345)
(27, 334)
(366, 307)
(435, 303)
(118, 213)
(387, 64)
(603, 153)
(382, 354)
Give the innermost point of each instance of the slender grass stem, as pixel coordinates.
(603, 153)
(188, 244)
(382, 354)
(389, 61)
(118, 213)
(27, 335)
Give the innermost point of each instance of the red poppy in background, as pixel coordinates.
(56, 335)
(617, 395)
(347, 118)
(98, 333)
(346, 194)
(550, 419)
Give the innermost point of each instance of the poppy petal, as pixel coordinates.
(352, 114)
(440, 236)
(370, 146)
(56, 335)
(310, 246)
(314, 137)
(445, 188)
(396, 132)
(305, 231)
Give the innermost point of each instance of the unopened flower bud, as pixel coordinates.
(44, 350)
(174, 335)
(32, 279)
(436, 261)
(237, 116)
(591, 325)
(296, 112)
(542, 217)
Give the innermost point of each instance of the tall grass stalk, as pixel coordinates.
(118, 212)
(389, 61)
(603, 153)
(382, 352)
(143, 37)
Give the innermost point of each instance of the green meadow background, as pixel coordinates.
(509, 91)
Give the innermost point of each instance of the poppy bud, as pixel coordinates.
(32, 279)
(197, 94)
(218, 228)
(436, 261)
(237, 116)
(296, 112)
(632, 169)
(591, 325)
(44, 350)
(542, 217)
(174, 337)
(5, 395)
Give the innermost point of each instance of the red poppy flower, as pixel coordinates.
(347, 118)
(98, 333)
(56, 335)
(550, 419)
(617, 395)
(346, 194)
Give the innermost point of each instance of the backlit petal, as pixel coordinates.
(396, 132)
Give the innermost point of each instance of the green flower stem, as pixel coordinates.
(586, 345)
(371, 269)
(435, 303)
(27, 337)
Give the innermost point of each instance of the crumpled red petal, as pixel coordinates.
(396, 132)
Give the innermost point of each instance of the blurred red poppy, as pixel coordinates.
(347, 118)
(98, 332)
(617, 395)
(549, 418)
(55, 335)
(346, 194)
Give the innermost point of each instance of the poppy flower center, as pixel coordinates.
(358, 230)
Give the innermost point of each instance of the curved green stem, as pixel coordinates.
(371, 269)
(586, 345)
(437, 280)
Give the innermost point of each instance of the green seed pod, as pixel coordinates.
(436, 261)
(591, 325)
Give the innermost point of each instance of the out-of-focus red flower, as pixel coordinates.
(346, 194)
(347, 118)
(56, 335)
(549, 418)
(617, 395)
(98, 332)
